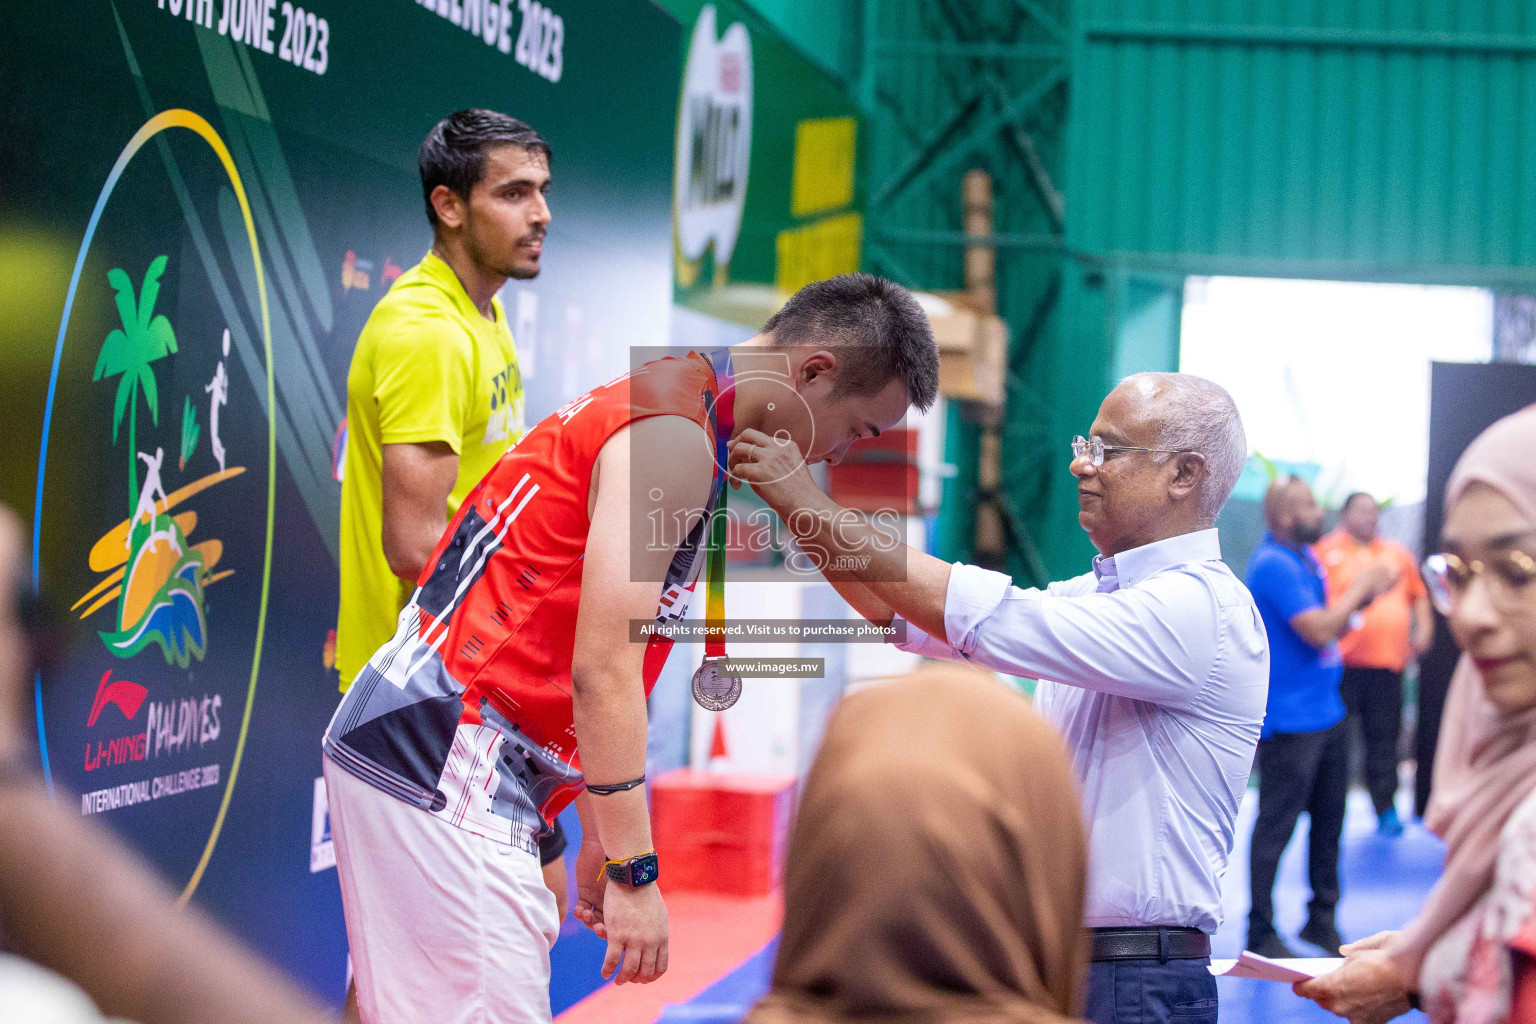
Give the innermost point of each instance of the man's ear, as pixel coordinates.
(450, 206)
(819, 363)
(1189, 473)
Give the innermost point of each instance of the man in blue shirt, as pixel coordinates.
(1303, 755)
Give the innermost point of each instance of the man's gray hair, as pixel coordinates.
(1197, 415)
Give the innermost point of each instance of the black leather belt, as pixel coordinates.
(1161, 944)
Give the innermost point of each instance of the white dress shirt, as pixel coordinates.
(1154, 668)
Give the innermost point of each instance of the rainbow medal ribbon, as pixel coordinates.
(714, 689)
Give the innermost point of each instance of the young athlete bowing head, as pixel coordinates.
(513, 687)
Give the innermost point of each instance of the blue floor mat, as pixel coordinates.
(729, 999)
(1383, 881)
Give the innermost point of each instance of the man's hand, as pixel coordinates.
(1321, 626)
(1376, 579)
(589, 886)
(1367, 989)
(637, 932)
(879, 579)
(775, 469)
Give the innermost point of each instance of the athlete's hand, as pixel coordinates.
(589, 886)
(637, 932)
(775, 468)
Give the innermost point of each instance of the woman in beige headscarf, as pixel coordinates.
(1466, 958)
(938, 866)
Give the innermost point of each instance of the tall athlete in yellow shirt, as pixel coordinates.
(434, 395)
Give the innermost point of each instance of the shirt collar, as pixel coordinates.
(1302, 554)
(1137, 564)
(1341, 537)
(438, 270)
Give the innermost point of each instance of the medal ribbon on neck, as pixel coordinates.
(725, 424)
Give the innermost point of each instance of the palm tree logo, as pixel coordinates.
(129, 353)
(161, 597)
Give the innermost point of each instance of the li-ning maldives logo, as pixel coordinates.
(154, 573)
(127, 697)
(170, 726)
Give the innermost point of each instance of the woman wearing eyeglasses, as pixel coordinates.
(1467, 958)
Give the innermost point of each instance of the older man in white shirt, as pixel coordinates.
(1154, 667)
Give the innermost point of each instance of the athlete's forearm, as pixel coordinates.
(609, 711)
(417, 480)
(583, 804)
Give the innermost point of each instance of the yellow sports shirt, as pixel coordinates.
(428, 367)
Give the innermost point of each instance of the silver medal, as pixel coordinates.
(712, 690)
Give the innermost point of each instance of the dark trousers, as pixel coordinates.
(1150, 992)
(1374, 697)
(1302, 771)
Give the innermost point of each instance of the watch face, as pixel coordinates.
(645, 870)
(636, 871)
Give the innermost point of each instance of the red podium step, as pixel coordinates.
(723, 833)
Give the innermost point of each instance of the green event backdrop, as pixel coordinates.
(787, 89)
(193, 230)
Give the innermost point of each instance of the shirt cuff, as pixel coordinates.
(974, 594)
(423, 435)
(920, 643)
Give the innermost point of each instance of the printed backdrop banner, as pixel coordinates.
(765, 178)
(204, 200)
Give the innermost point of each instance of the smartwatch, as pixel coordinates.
(635, 871)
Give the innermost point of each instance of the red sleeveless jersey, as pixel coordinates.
(467, 712)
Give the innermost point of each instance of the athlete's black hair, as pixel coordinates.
(453, 152)
(876, 329)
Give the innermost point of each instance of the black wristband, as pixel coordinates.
(552, 845)
(617, 787)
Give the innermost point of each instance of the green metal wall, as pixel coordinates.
(1133, 142)
(1348, 139)
(824, 30)
(1332, 138)
(948, 85)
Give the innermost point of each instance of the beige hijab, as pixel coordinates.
(938, 865)
(1485, 762)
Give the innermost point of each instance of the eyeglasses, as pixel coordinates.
(1094, 448)
(1506, 573)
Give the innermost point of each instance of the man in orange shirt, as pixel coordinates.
(1395, 629)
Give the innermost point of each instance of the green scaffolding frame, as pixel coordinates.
(948, 85)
